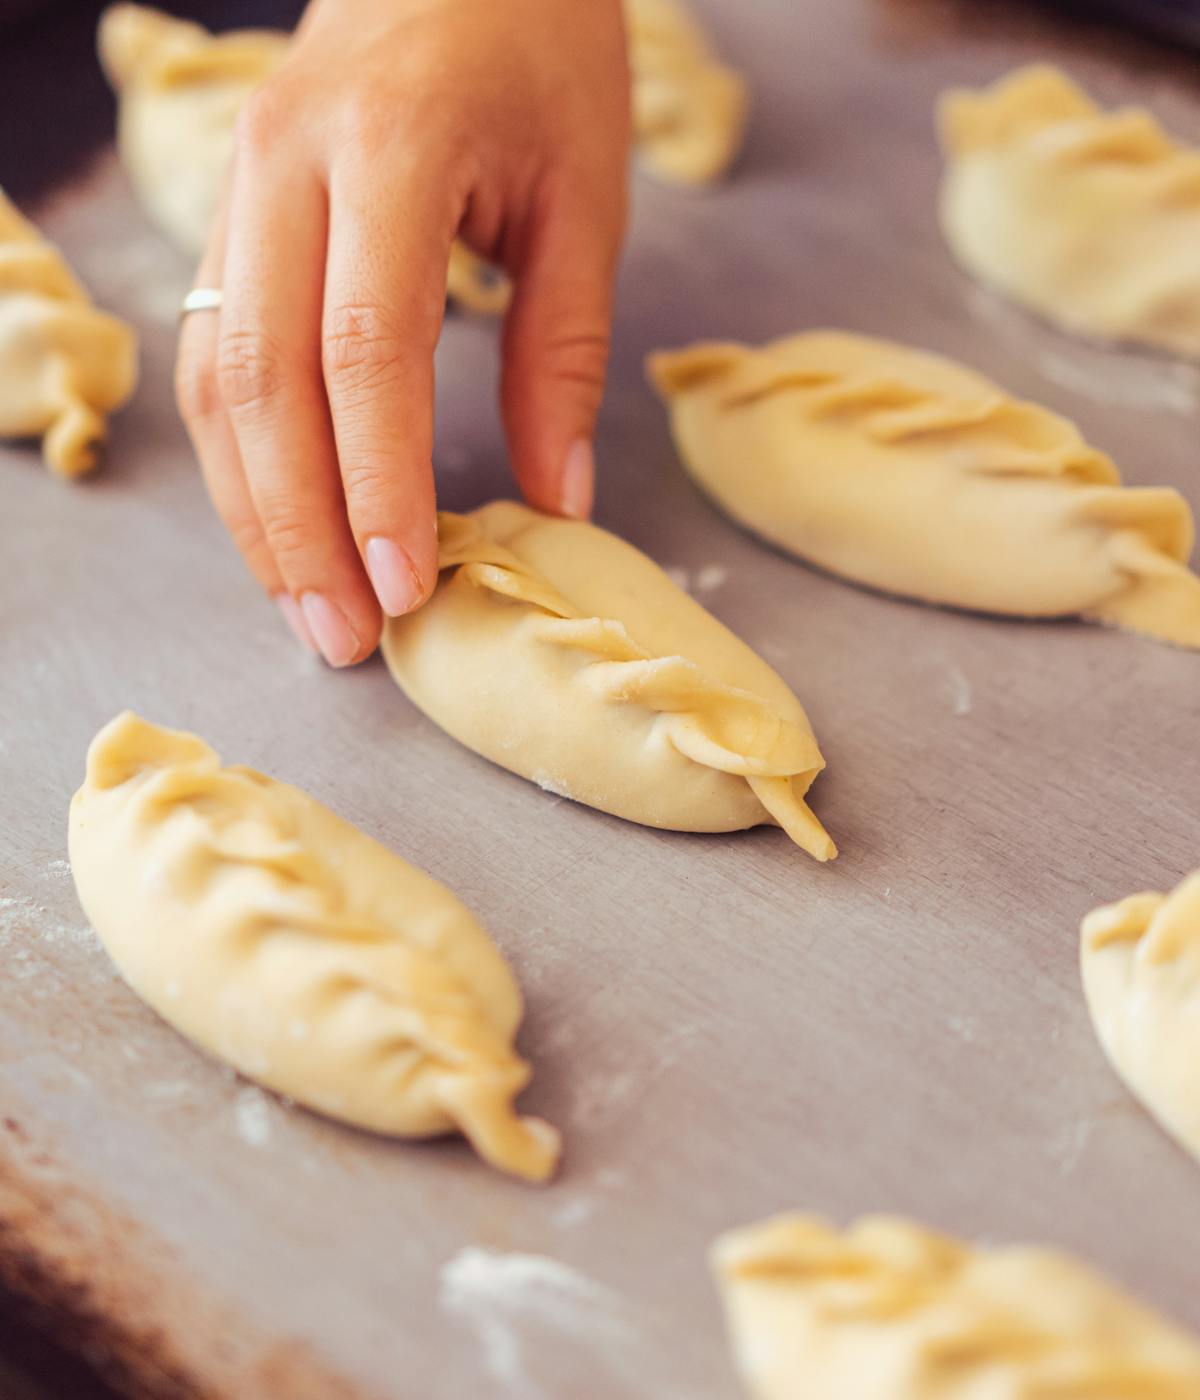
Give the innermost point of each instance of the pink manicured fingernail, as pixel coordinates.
(578, 476)
(328, 625)
(295, 620)
(392, 576)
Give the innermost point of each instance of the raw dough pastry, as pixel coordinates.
(64, 365)
(565, 655)
(888, 1310)
(906, 472)
(180, 91)
(689, 111)
(1141, 975)
(1091, 218)
(308, 956)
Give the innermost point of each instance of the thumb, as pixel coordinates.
(556, 340)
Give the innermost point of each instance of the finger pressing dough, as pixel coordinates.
(888, 1310)
(308, 956)
(64, 365)
(689, 110)
(180, 89)
(1091, 218)
(563, 654)
(1141, 976)
(909, 473)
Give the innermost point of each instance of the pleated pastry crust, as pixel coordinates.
(1141, 975)
(64, 365)
(1090, 218)
(689, 109)
(888, 1310)
(563, 654)
(906, 472)
(292, 946)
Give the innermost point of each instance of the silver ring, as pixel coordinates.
(201, 299)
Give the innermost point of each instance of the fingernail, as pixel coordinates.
(295, 620)
(328, 625)
(392, 576)
(578, 476)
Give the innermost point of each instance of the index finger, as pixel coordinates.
(385, 292)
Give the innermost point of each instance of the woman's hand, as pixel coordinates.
(392, 126)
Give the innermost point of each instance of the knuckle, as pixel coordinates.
(289, 535)
(361, 348)
(260, 122)
(577, 357)
(371, 115)
(196, 389)
(248, 369)
(368, 484)
(246, 533)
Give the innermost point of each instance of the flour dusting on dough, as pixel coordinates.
(960, 692)
(551, 785)
(574, 1212)
(512, 1300)
(1130, 380)
(711, 577)
(252, 1113)
(1067, 1146)
(24, 918)
(963, 1027)
(1102, 373)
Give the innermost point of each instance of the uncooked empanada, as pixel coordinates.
(1141, 975)
(689, 110)
(906, 472)
(288, 943)
(180, 89)
(888, 1310)
(64, 365)
(1091, 218)
(563, 654)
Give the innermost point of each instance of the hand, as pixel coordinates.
(392, 126)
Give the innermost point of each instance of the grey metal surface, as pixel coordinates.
(721, 1027)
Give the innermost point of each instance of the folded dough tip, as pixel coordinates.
(65, 365)
(1140, 965)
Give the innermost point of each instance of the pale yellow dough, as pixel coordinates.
(1091, 218)
(308, 956)
(563, 654)
(180, 89)
(64, 365)
(888, 1310)
(906, 472)
(1141, 974)
(689, 110)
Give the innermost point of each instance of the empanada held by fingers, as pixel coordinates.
(1088, 217)
(689, 110)
(1141, 975)
(179, 91)
(906, 472)
(292, 946)
(888, 1310)
(563, 654)
(64, 365)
